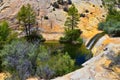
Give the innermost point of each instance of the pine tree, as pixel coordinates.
(26, 17)
(73, 18)
(4, 30)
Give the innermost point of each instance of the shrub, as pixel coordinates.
(101, 6)
(65, 64)
(57, 65)
(4, 30)
(5, 36)
(35, 36)
(82, 15)
(101, 26)
(17, 59)
(103, 15)
(23, 59)
(113, 14)
(4, 33)
(46, 17)
(55, 5)
(72, 42)
(71, 35)
(87, 11)
(65, 9)
(53, 9)
(69, 2)
(80, 40)
(111, 25)
(91, 13)
(60, 2)
(93, 5)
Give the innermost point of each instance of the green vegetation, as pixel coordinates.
(58, 65)
(110, 3)
(61, 4)
(6, 36)
(72, 40)
(23, 59)
(27, 56)
(4, 32)
(26, 17)
(73, 19)
(111, 25)
(71, 36)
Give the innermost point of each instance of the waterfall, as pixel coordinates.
(93, 40)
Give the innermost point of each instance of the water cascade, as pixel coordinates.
(93, 40)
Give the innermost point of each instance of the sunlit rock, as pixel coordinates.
(56, 18)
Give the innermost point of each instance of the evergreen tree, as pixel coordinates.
(4, 33)
(4, 30)
(73, 18)
(26, 17)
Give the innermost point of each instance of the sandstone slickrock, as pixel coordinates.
(55, 23)
(104, 41)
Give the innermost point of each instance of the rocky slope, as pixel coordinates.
(104, 41)
(53, 28)
(98, 67)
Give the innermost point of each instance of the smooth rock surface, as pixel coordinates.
(88, 24)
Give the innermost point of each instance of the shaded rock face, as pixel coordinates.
(98, 68)
(55, 17)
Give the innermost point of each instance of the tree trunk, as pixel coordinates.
(72, 27)
(26, 30)
(29, 27)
